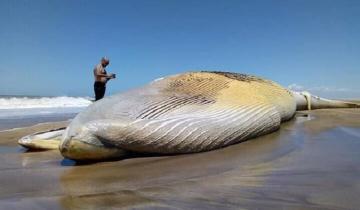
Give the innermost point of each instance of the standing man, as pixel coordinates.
(101, 78)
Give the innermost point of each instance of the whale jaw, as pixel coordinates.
(81, 151)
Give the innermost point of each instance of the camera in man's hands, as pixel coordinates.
(113, 76)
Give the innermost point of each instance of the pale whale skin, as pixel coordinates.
(184, 113)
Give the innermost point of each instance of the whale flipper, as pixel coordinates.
(44, 140)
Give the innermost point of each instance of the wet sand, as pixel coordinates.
(312, 162)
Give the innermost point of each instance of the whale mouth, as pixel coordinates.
(82, 151)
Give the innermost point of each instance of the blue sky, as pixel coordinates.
(51, 47)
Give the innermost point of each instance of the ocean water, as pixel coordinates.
(20, 111)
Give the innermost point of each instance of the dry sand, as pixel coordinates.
(312, 162)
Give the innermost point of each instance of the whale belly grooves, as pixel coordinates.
(185, 113)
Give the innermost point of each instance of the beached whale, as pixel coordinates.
(184, 113)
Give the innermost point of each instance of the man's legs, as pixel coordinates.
(99, 89)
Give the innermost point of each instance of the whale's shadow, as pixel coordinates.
(69, 162)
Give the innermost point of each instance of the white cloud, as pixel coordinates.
(331, 92)
(330, 89)
(296, 87)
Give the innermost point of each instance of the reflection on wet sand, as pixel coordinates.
(312, 162)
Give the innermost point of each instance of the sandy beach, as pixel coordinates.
(312, 162)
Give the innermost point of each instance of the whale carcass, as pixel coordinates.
(184, 113)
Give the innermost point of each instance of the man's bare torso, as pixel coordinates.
(99, 69)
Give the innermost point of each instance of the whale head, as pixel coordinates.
(84, 144)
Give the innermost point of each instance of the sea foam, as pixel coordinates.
(43, 102)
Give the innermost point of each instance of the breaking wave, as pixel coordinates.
(8, 102)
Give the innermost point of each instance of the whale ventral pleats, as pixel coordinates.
(172, 103)
(183, 90)
(183, 113)
(196, 84)
(239, 76)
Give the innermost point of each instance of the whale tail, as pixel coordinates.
(306, 101)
